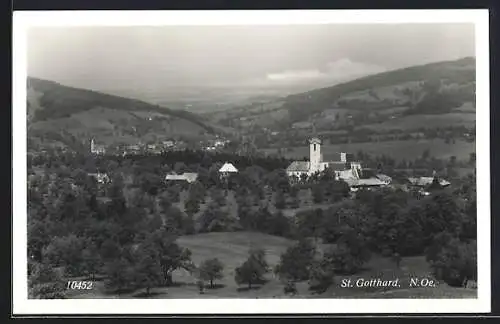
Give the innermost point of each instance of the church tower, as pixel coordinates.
(315, 154)
(92, 146)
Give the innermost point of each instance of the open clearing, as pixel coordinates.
(410, 149)
(232, 249)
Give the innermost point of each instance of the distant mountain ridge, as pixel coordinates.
(444, 88)
(54, 109)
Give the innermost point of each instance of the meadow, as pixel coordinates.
(410, 149)
(426, 121)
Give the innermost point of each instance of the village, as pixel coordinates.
(210, 145)
(342, 166)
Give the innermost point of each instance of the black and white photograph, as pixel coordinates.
(251, 162)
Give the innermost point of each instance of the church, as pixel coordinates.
(342, 164)
(97, 149)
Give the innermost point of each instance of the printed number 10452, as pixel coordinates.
(77, 285)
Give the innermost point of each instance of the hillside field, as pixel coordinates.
(232, 250)
(425, 121)
(410, 149)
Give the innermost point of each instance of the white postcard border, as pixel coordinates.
(23, 305)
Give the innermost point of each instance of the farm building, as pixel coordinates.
(187, 176)
(426, 181)
(100, 177)
(228, 168)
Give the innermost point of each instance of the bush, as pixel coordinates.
(321, 276)
(295, 262)
(345, 260)
(45, 283)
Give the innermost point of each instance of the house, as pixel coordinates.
(186, 176)
(97, 149)
(365, 183)
(219, 143)
(168, 143)
(102, 178)
(133, 149)
(227, 169)
(384, 178)
(426, 181)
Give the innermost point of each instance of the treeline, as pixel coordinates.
(192, 160)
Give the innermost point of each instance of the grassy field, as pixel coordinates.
(410, 149)
(232, 250)
(427, 121)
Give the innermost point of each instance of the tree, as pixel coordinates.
(174, 220)
(434, 248)
(295, 262)
(279, 225)
(120, 274)
(290, 288)
(218, 196)
(147, 270)
(211, 270)
(426, 154)
(472, 158)
(38, 236)
(442, 213)
(321, 276)
(214, 219)
(318, 194)
(91, 260)
(45, 283)
(345, 260)
(280, 201)
(337, 190)
(192, 206)
(252, 270)
(456, 263)
(66, 251)
(171, 256)
(309, 223)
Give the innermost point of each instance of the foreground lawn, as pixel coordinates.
(232, 250)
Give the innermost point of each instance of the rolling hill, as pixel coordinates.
(444, 89)
(56, 112)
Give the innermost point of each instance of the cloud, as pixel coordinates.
(340, 70)
(295, 75)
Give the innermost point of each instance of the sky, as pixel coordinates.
(164, 58)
